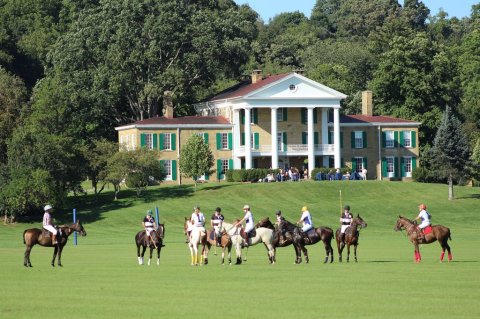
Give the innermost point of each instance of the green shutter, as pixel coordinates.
(352, 139)
(242, 115)
(384, 167)
(354, 164)
(402, 166)
(341, 139)
(173, 141)
(205, 138)
(155, 145)
(342, 162)
(414, 163)
(242, 139)
(256, 140)
(230, 164)
(255, 163)
(174, 170)
(365, 161)
(384, 139)
(315, 117)
(414, 139)
(219, 169)
(395, 137)
(219, 141)
(304, 137)
(161, 144)
(230, 141)
(285, 141)
(255, 116)
(401, 138)
(315, 137)
(285, 112)
(330, 137)
(142, 139)
(302, 115)
(207, 177)
(364, 139)
(395, 163)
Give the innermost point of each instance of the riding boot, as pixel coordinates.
(54, 239)
(342, 238)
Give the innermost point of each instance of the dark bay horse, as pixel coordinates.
(225, 243)
(279, 239)
(34, 236)
(301, 239)
(351, 238)
(155, 242)
(439, 232)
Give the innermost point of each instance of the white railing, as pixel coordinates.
(291, 149)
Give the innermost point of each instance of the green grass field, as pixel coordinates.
(101, 277)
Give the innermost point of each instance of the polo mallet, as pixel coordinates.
(153, 241)
(340, 203)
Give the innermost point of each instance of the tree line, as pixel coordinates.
(70, 71)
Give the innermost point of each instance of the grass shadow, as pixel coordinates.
(471, 196)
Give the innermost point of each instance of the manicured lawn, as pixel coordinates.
(101, 277)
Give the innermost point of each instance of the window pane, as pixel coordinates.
(408, 164)
(358, 164)
(358, 140)
(280, 141)
(167, 166)
(389, 139)
(224, 137)
(407, 139)
(167, 139)
(279, 115)
(390, 166)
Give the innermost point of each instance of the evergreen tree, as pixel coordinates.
(197, 158)
(451, 151)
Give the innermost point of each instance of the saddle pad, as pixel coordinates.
(427, 230)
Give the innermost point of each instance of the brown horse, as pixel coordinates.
(301, 239)
(279, 239)
(351, 238)
(439, 232)
(34, 236)
(225, 243)
(155, 242)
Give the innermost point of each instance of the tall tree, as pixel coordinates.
(130, 52)
(197, 158)
(451, 151)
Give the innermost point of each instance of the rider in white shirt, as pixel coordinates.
(249, 223)
(346, 220)
(306, 219)
(48, 223)
(425, 217)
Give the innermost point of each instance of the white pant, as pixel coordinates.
(248, 228)
(423, 224)
(306, 227)
(343, 228)
(50, 228)
(217, 230)
(148, 230)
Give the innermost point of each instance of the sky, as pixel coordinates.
(267, 9)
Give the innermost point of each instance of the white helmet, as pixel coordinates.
(246, 207)
(48, 207)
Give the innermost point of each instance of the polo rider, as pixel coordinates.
(198, 219)
(149, 225)
(217, 222)
(306, 220)
(48, 223)
(346, 221)
(425, 217)
(249, 223)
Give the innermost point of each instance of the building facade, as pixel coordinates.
(282, 121)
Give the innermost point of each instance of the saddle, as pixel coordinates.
(309, 235)
(251, 234)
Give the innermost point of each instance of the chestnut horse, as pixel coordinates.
(439, 232)
(155, 242)
(34, 236)
(301, 239)
(225, 243)
(351, 238)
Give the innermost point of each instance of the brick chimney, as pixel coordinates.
(168, 104)
(256, 76)
(367, 103)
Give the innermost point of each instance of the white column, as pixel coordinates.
(274, 138)
(237, 162)
(310, 140)
(248, 141)
(325, 133)
(336, 137)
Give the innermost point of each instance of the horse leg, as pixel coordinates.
(159, 248)
(348, 253)
(355, 252)
(340, 247)
(26, 258)
(144, 248)
(418, 257)
(55, 250)
(138, 254)
(305, 253)
(60, 249)
(326, 252)
(330, 249)
(205, 254)
(150, 259)
(229, 253)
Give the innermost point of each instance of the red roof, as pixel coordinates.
(184, 120)
(355, 119)
(246, 87)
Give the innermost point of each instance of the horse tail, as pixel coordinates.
(24, 242)
(449, 237)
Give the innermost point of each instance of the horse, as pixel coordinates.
(225, 243)
(262, 235)
(438, 232)
(279, 239)
(301, 239)
(195, 238)
(34, 236)
(351, 238)
(155, 242)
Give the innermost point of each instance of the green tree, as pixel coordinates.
(451, 151)
(475, 161)
(97, 158)
(176, 46)
(13, 96)
(197, 158)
